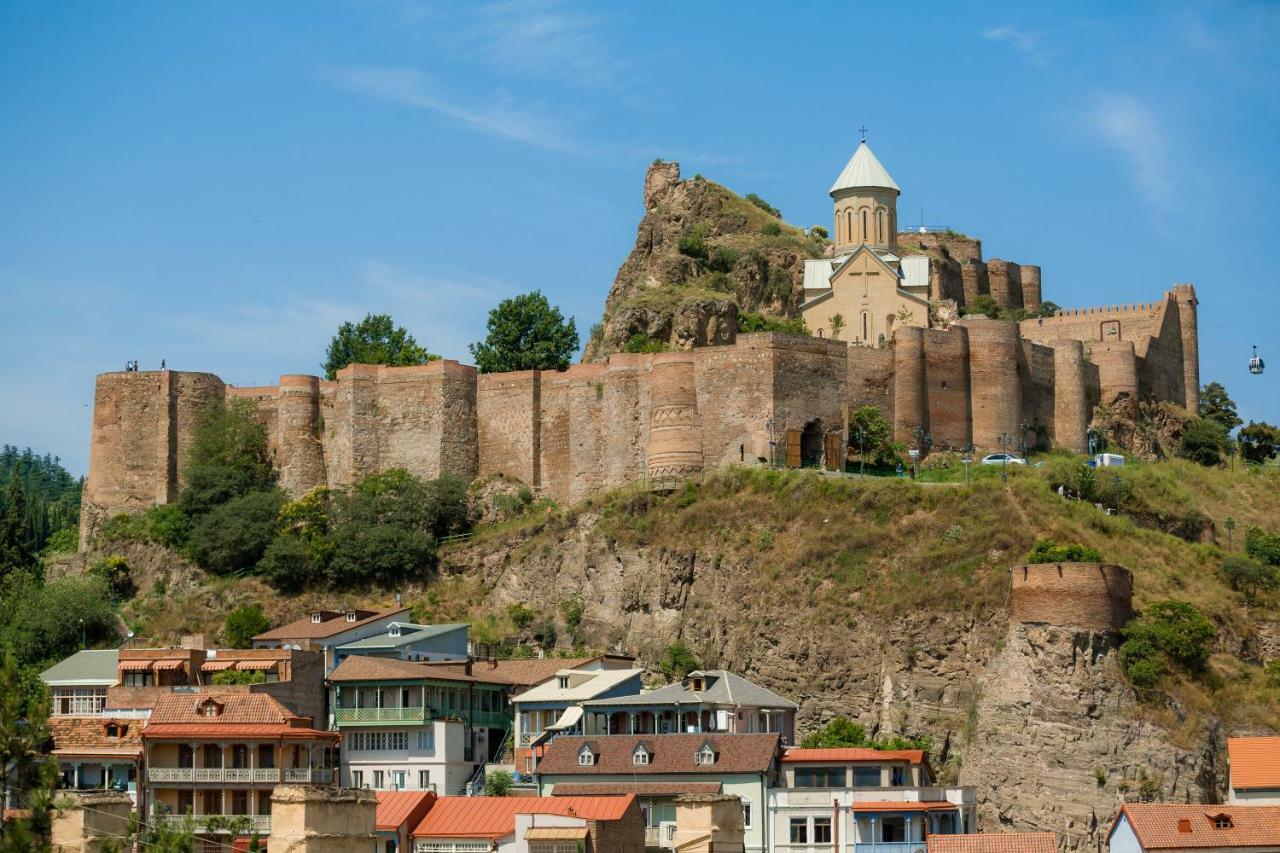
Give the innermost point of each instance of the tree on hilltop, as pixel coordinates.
(526, 333)
(1217, 406)
(374, 340)
(1259, 442)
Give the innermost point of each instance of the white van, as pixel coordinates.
(1108, 460)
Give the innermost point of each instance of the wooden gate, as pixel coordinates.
(835, 451)
(793, 448)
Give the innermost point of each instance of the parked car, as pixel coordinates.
(1106, 460)
(1003, 459)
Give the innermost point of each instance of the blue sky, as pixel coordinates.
(222, 184)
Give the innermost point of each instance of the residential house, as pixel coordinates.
(78, 685)
(416, 726)
(1146, 827)
(703, 701)
(408, 641)
(531, 825)
(1253, 770)
(218, 756)
(864, 798)
(659, 768)
(994, 842)
(397, 815)
(325, 630)
(554, 706)
(98, 752)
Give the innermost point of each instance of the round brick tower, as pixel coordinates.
(1117, 369)
(1030, 276)
(995, 349)
(1070, 401)
(301, 461)
(909, 409)
(675, 447)
(1093, 596)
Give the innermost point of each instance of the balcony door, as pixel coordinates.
(186, 756)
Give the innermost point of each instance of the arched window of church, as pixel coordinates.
(848, 226)
(866, 326)
(893, 222)
(880, 235)
(864, 225)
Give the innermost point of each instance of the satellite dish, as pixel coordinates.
(1256, 365)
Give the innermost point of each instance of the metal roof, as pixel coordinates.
(864, 171)
(817, 274)
(88, 668)
(725, 688)
(597, 682)
(417, 633)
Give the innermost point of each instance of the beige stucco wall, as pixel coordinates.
(865, 287)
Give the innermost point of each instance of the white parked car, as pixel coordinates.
(1003, 459)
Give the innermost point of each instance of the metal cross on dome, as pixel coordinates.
(863, 131)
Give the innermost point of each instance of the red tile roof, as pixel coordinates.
(397, 808)
(88, 736)
(745, 753)
(242, 715)
(521, 672)
(853, 755)
(244, 732)
(336, 623)
(994, 842)
(1159, 826)
(1254, 762)
(653, 789)
(494, 817)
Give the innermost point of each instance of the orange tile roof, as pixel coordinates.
(245, 732)
(88, 736)
(1254, 762)
(994, 842)
(397, 808)
(1157, 825)
(852, 755)
(250, 708)
(305, 629)
(653, 789)
(494, 817)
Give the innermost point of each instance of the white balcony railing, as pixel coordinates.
(890, 847)
(208, 774)
(217, 775)
(304, 775)
(237, 774)
(252, 823)
(171, 774)
(266, 774)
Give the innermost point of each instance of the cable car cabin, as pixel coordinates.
(1255, 364)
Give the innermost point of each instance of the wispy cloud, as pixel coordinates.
(1129, 126)
(412, 88)
(409, 286)
(546, 37)
(1026, 42)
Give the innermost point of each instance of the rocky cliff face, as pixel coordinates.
(1038, 719)
(749, 261)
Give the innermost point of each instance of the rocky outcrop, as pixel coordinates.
(750, 261)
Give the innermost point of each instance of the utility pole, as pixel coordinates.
(1231, 526)
(1005, 441)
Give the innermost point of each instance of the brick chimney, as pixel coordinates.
(1184, 824)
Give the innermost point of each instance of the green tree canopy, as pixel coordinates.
(30, 774)
(1217, 406)
(1250, 577)
(234, 536)
(677, 661)
(243, 624)
(843, 733)
(1167, 635)
(228, 457)
(374, 340)
(1205, 441)
(1047, 551)
(526, 333)
(1259, 441)
(1262, 546)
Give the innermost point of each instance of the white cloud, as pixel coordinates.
(1130, 127)
(1030, 44)
(545, 37)
(410, 87)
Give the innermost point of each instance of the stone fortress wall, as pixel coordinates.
(662, 416)
(1092, 596)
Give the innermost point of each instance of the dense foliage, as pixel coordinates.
(30, 774)
(1259, 442)
(1168, 636)
(640, 342)
(842, 733)
(1217, 406)
(1046, 551)
(374, 340)
(228, 457)
(1249, 577)
(1205, 441)
(243, 624)
(750, 321)
(763, 205)
(45, 498)
(872, 437)
(677, 661)
(526, 333)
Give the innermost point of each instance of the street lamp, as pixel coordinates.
(1231, 525)
(1023, 427)
(966, 460)
(1005, 441)
(860, 436)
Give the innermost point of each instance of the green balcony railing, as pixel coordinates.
(358, 716)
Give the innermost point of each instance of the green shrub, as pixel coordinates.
(44, 623)
(1205, 442)
(750, 321)
(243, 624)
(694, 242)
(1168, 635)
(288, 565)
(1250, 577)
(384, 554)
(819, 231)
(842, 733)
(643, 343)
(237, 676)
(519, 615)
(545, 633)
(764, 205)
(1271, 673)
(1047, 551)
(228, 457)
(169, 525)
(114, 572)
(572, 610)
(722, 259)
(497, 783)
(64, 541)
(233, 536)
(771, 229)
(1262, 546)
(677, 661)
(984, 305)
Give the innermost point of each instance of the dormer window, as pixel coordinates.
(209, 708)
(116, 730)
(586, 758)
(1221, 821)
(317, 618)
(351, 616)
(695, 684)
(640, 756)
(563, 682)
(394, 631)
(705, 756)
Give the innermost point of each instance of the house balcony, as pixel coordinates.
(238, 775)
(374, 716)
(890, 847)
(260, 824)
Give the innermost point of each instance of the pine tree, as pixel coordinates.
(15, 552)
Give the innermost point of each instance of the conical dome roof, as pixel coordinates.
(864, 170)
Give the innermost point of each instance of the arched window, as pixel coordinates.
(864, 225)
(880, 233)
(848, 226)
(866, 326)
(893, 222)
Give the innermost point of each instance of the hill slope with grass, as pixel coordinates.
(706, 262)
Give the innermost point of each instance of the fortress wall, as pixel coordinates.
(946, 377)
(1117, 369)
(508, 428)
(808, 376)
(350, 450)
(1029, 276)
(870, 381)
(1188, 325)
(143, 424)
(735, 399)
(587, 430)
(910, 409)
(1135, 323)
(1006, 282)
(1094, 596)
(954, 245)
(1038, 394)
(974, 280)
(1071, 407)
(626, 417)
(300, 455)
(1160, 373)
(553, 415)
(995, 351)
(675, 441)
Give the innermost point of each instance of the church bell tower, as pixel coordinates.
(866, 204)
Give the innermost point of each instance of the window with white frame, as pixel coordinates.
(79, 701)
(554, 847)
(377, 779)
(746, 815)
(427, 740)
(799, 830)
(586, 757)
(424, 780)
(378, 741)
(357, 778)
(640, 756)
(433, 846)
(705, 756)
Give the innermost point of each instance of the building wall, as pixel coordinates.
(1079, 595)
(866, 286)
(444, 760)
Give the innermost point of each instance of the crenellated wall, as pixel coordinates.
(599, 425)
(1094, 596)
